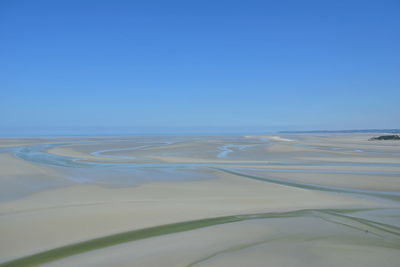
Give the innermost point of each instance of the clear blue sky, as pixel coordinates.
(200, 64)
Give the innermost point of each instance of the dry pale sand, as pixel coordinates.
(306, 241)
(43, 207)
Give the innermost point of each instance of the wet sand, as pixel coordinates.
(296, 200)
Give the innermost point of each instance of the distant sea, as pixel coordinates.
(31, 132)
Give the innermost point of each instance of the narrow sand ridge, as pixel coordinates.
(387, 195)
(102, 153)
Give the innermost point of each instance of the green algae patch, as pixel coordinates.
(111, 240)
(135, 235)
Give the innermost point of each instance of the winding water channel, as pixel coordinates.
(378, 232)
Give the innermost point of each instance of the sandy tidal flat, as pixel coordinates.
(300, 200)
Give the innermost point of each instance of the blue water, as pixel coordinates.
(79, 170)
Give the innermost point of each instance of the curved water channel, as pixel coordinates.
(390, 234)
(39, 154)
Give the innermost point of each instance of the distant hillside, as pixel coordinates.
(347, 131)
(386, 137)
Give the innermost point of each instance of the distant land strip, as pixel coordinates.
(347, 131)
